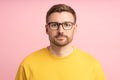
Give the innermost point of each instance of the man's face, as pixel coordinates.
(60, 37)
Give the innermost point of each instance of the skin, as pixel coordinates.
(60, 40)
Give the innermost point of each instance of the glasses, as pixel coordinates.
(65, 25)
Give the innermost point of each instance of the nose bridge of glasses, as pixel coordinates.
(59, 27)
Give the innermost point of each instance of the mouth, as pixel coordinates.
(60, 38)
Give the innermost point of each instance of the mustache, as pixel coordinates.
(60, 35)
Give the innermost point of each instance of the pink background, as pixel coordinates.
(22, 31)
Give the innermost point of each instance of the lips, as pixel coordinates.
(60, 37)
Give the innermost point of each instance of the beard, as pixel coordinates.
(61, 40)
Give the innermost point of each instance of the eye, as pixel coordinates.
(67, 24)
(53, 25)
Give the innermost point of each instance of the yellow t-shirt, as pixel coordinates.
(42, 65)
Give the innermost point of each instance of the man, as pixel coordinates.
(60, 60)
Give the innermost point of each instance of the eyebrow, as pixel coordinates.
(61, 22)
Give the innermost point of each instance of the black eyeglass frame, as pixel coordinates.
(63, 25)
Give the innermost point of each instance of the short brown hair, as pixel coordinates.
(60, 8)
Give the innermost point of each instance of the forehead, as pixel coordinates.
(61, 17)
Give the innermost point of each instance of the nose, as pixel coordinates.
(60, 29)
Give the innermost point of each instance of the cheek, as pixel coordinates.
(71, 33)
(52, 33)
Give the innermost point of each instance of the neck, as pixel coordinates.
(60, 51)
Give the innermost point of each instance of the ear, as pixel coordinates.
(46, 27)
(75, 27)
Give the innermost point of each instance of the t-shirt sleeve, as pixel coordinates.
(21, 74)
(98, 72)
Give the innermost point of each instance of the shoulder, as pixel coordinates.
(34, 56)
(86, 57)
